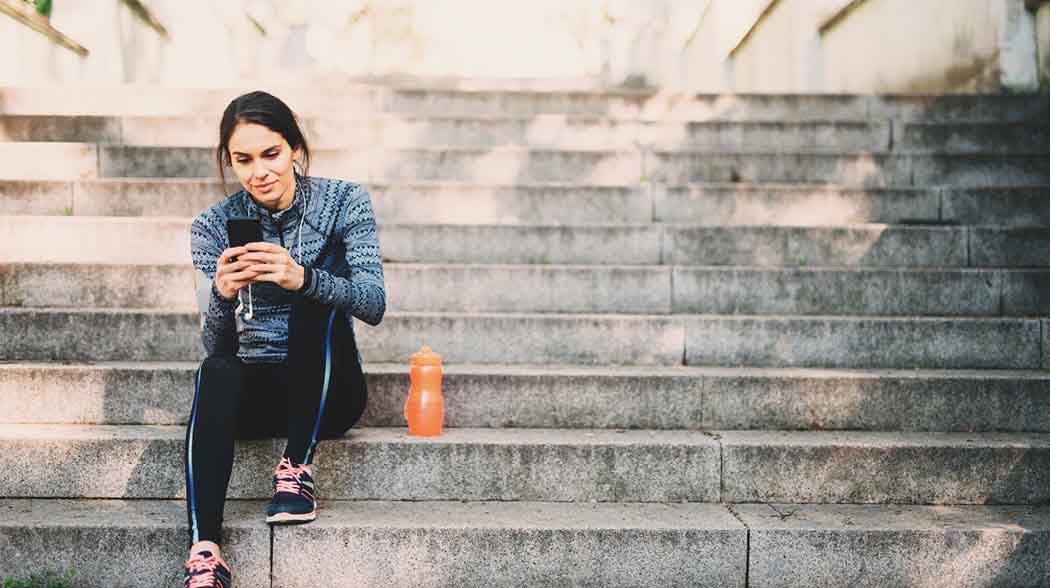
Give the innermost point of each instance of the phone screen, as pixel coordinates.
(243, 230)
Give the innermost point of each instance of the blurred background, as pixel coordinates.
(762, 46)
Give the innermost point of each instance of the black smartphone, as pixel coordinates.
(242, 231)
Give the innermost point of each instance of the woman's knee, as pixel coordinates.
(218, 382)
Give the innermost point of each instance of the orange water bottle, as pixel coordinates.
(425, 408)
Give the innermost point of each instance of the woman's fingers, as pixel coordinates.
(224, 257)
(264, 246)
(243, 276)
(233, 267)
(263, 257)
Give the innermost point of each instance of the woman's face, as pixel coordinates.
(262, 160)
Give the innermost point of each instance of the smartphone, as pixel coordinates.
(242, 231)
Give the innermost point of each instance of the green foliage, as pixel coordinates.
(43, 7)
(47, 580)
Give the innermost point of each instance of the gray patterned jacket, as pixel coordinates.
(339, 249)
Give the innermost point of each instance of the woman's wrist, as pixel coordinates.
(308, 279)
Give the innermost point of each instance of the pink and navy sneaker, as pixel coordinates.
(204, 570)
(293, 495)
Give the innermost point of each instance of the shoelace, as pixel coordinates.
(199, 563)
(289, 477)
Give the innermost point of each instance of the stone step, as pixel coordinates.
(552, 130)
(496, 98)
(866, 170)
(123, 543)
(410, 202)
(391, 131)
(164, 240)
(561, 465)
(508, 544)
(31, 161)
(469, 544)
(587, 289)
(549, 396)
(584, 339)
(1017, 137)
(829, 546)
(464, 203)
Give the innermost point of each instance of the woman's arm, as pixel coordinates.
(363, 295)
(218, 325)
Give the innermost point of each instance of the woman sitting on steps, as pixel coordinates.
(283, 363)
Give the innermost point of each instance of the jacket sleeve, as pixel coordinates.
(218, 325)
(363, 294)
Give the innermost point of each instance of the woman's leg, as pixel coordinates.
(208, 455)
(326, 386)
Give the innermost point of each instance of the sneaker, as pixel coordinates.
(293, 494)
(204, 570)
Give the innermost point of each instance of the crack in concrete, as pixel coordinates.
(747, 552)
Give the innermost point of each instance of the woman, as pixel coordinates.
(283, 362)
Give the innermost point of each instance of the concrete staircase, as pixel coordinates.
(703, 341)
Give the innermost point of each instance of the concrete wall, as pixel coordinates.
(883, 46)
(942, 45)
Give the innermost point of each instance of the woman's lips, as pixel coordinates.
(266, 187)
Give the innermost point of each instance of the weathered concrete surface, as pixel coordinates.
(500, 98)
(409, 202)
(99, 335)
(779, 136)
(1004, 206)
(580, 397)
(410, 287)
(1026, 292)
(597, 244)
(876, 400)
(60, 239)
(122, 461)
(867, 246)
(567, 339)
(852, 342)
(817, 546)
(884, 467)
(960, 108)
(584, 288)
(387, 464)
(1010, 247)
(547, 204)
(836, 291)
(430, 544)
(71, 129)
(972, 137)
(26, 197)
(980, 169)
(124, 543)
(865, 170)
(785, 204)
(36, 161)
(529, 338)
(58, 285)
(506, 165)
(163, 197)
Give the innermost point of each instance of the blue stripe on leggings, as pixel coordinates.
(324, 390)
(190, 489)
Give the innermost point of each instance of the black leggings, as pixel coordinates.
(318, 393)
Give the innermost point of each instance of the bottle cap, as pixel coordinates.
(426, 357)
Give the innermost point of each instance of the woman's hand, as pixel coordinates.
(231, 276)
(273, 263)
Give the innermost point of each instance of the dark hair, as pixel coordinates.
(267, 110)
